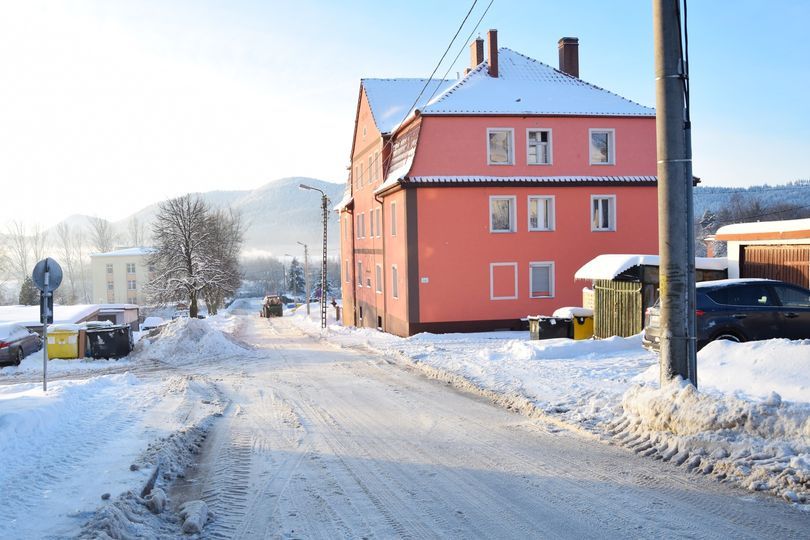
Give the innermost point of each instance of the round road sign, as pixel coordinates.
(54, 273)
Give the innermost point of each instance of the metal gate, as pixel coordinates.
(790, 263)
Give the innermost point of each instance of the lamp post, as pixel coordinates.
(306, 272)
(325, 209)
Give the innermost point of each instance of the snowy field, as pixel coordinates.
(749, 424)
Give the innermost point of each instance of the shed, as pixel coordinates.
(120, 314)
(769, 249)
(624, 286)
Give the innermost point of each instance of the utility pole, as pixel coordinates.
(306, 273)
(676, 240)
(325, 209)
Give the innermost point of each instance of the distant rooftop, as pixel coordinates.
(126, 252)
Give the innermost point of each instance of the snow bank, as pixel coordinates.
(186, 339)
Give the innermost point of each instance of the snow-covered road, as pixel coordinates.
(322, 442)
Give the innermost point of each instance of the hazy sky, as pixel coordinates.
(107, 106)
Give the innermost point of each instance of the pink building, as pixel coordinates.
(476, 207)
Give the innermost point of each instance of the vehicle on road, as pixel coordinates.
(272, 306)
(151, 323)
(17, 342)
(741, 310)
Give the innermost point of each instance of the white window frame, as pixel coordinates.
(551, 278)
(393, 218)
(492, 281)
(512, 212)
(132, 265)
(549, 143)
(379, 279)
(611, 146)
(132, 285)
(394, 281)
(371, 222)
(360, 273)
(552, 224)
(511, 159)
(378, 221)
(371, 169)
(611, 216)
(109, 269)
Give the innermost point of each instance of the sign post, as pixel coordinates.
(47, 276)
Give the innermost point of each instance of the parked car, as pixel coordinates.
(17, 342)
(742, 310)
(150, 323)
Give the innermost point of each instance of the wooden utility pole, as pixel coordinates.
(676, 237)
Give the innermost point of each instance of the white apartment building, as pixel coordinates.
(120, 276)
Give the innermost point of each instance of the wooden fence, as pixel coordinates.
(619, 310)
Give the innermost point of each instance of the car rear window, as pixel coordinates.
(792, 297)
(743, 295)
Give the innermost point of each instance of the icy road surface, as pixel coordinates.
(320, 442)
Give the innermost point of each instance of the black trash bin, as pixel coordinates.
(109, 341)
(550, 327)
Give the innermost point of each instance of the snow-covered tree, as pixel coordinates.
(29, 295)
(196, 253)
(296, 283)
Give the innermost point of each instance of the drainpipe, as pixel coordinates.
(384, 263)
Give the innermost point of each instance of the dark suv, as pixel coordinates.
(742, 310)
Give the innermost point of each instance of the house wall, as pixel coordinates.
(456, 248)
(119, 278)
(458, 146)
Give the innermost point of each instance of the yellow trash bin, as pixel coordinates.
(583, 327)
(581, 320)
(63, 341)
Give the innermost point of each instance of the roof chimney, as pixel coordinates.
(476, 52)
(492, 37)
(569, 55)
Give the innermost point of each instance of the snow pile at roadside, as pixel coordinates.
(749, 423)
(187, 339)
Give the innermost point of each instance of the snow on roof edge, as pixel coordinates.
(610, 265)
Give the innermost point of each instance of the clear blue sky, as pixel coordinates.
(111, 105)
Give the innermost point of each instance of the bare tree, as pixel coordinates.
(222, 273)
(18, 250)
(101, 234)
(180, 234)
(137, 232)
(67, 257)
(37, 240)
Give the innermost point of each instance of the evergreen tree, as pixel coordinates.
(295, 278)
(29, 295)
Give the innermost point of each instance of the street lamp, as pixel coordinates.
(324, 207)
(306, 273)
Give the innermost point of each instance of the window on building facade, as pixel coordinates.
(393, 218)
(539, 146)
(346, 271)
(130, 268)
(110, 286)
(360, 174)
(602, 151)
(131, 285)
(371, 169)
(541, 213)
(394, 281)
(541, 279)
(500, 147)
(503, 284)
(360, 273)
(379, 278)
(603, 212)
(377, 214)
(371, 222)
(502, 214)
(109, 269)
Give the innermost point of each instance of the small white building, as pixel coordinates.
(769, 249)
(120, 276)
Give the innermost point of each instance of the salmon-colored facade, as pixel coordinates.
(467, 214)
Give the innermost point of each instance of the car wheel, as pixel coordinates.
(18, 357)
(729, 336)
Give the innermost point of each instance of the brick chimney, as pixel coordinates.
(476, 53)
(492, 38)
(569, 55)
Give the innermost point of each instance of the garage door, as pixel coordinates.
(788, 263)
